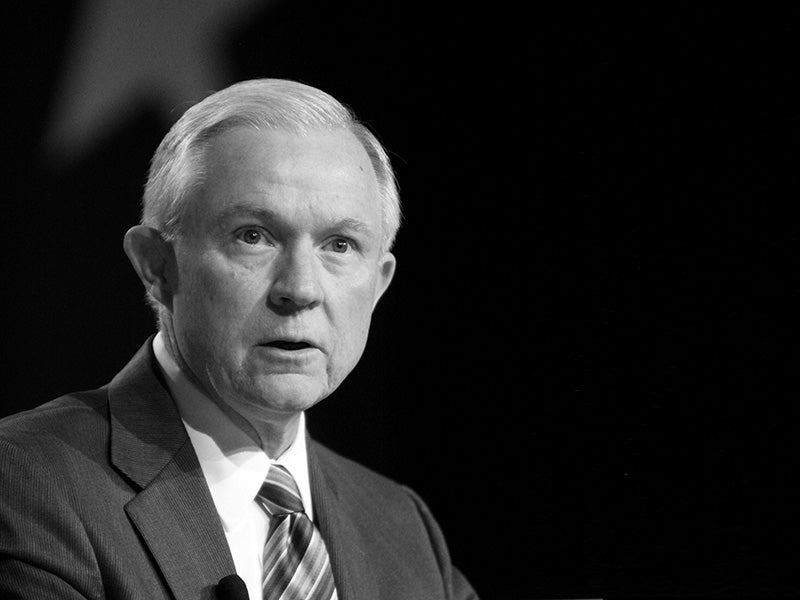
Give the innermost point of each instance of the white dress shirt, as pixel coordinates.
(234, 468)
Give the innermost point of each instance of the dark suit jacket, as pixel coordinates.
(102, 496)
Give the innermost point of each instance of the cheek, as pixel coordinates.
(216, 301)
(355, 316)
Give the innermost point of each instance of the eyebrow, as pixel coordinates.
(351, 223)
(270, 216)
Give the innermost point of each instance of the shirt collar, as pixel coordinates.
(234, 466)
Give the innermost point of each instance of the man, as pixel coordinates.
(269, 216)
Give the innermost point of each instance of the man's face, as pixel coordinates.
(279, 269)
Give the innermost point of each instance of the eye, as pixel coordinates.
(250, 236)
(340, 245)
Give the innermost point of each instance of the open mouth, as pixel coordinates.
(286, 345)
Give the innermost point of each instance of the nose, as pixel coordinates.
(296, 284)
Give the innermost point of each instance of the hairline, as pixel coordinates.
(197, 155)
(179, 164)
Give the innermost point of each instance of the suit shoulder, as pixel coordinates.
(70, 418)
(336, 464)
(366, 487)
(394, 522)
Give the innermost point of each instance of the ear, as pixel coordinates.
(154, 261)
(386, 267)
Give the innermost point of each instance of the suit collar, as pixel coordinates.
(174, 511)
(234, 465)
(342, 534)
(146, 430)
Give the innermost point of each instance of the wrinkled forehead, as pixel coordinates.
(231, 147)
(330, 168)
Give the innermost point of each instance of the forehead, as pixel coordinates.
(326, 165)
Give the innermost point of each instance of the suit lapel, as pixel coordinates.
(177, 519)
(343, 538)
(174, 511)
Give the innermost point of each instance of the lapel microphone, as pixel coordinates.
(231, 587)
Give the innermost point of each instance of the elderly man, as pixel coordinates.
(269, 215)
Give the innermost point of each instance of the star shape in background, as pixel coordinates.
(127, 53)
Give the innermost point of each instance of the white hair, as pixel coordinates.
(178, 167)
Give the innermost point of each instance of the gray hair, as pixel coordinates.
(177, 167)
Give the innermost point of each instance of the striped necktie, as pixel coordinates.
(296, 563)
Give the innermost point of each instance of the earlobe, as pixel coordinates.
(386, 268)
(154, 260)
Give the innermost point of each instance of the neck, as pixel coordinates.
(275, 438)
(274, 435)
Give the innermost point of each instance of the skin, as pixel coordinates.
(271, 288)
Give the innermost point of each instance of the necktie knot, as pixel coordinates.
(296, 564)
(279, 494)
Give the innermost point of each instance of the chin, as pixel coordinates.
(289, 393)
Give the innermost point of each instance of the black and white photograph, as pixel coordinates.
(400, 301)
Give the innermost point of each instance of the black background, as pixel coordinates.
(586, 363)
